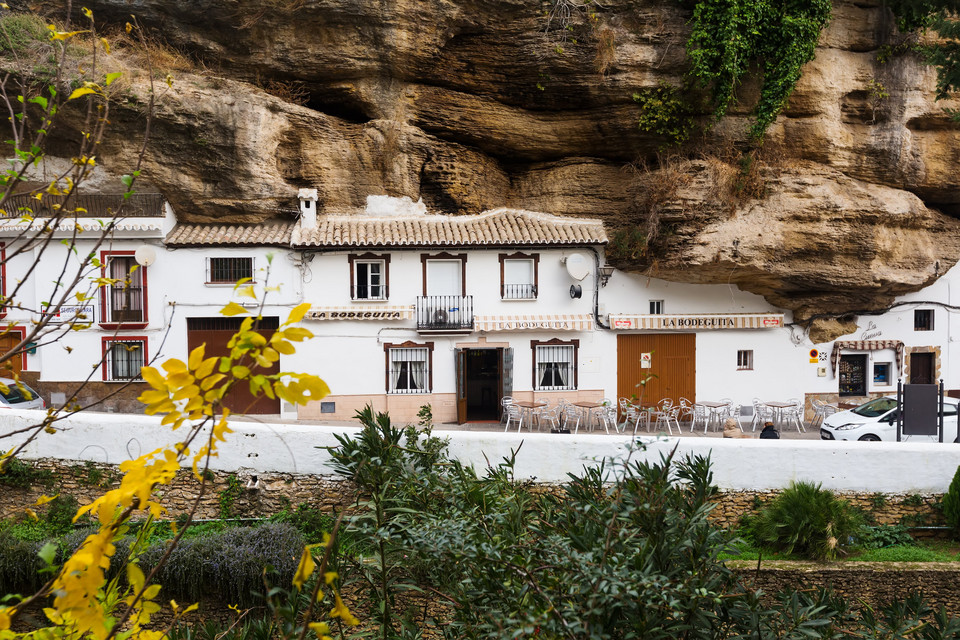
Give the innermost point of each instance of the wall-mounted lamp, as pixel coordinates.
(605, 272)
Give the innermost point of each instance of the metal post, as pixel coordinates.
(940, 413)
(899, 407)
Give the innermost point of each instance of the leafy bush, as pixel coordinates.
(951, 504)
(884, 536)
(807, 520)
(21, 474)
(309, 521)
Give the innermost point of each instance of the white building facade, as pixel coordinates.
(456, 312)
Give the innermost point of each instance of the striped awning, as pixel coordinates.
(865, 345)
(696, 322)
(359, 313)
(546, 322)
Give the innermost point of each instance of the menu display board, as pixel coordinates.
(853, 375)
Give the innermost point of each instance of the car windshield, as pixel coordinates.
(14, 394)
(876, 408)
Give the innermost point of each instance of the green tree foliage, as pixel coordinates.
(943, 17)
(808, 520)
(730, 36)
(951, 504)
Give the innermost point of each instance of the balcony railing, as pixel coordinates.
(445, 313)
(519, 292)
(97, 205)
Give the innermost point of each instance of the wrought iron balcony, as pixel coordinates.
(445, 313)
(518, 291)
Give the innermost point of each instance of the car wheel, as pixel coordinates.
(869, 438)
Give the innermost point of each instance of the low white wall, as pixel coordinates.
(737, 464)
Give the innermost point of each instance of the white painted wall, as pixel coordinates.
(350, 356)
(737, 464)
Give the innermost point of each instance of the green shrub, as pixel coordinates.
(883, 536)
(951, 504)
(309, 521)
(23, 475)
(807, 520)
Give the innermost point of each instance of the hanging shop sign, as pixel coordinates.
(694, 322)
(360, 313)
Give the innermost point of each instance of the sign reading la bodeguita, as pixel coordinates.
(662, 322)
(360, 314)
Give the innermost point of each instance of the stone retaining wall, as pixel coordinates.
(862, 583)
(277, 491)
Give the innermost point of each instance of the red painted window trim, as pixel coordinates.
(104, 259)
(105, 341)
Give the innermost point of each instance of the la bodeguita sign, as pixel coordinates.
(369, 313)
(694, 322)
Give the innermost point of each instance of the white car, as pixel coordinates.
(15, 398)
(877, 420)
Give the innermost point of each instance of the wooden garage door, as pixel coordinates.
(216, 333)
(673, 363)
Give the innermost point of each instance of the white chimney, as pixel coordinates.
(308, 208)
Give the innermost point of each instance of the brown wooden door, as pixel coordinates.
(921, 368)
(216, 333)
(673, 366)
(14, 363)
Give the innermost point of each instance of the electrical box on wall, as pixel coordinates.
(821, 372)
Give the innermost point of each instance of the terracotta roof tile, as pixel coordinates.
(498, 227)
(201, 235)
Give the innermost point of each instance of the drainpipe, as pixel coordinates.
(596, 289)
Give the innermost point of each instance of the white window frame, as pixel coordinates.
(110, 364)
(229, 282)
(402, 377)
(656, 307)
(510, 286)
(745, 360)
(356, 279)
(555, 361)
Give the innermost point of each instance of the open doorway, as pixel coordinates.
(483, 384)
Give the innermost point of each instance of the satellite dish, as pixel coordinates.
(577, 266)
(145, 255)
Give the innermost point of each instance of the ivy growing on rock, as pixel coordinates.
(729, 37)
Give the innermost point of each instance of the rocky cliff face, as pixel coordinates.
(478, 104)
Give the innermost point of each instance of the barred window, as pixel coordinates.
(923, 320)
(745, 359)
(555, 367)
(409, 370)
(228, 270)
(123, 359)
(125, 297)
